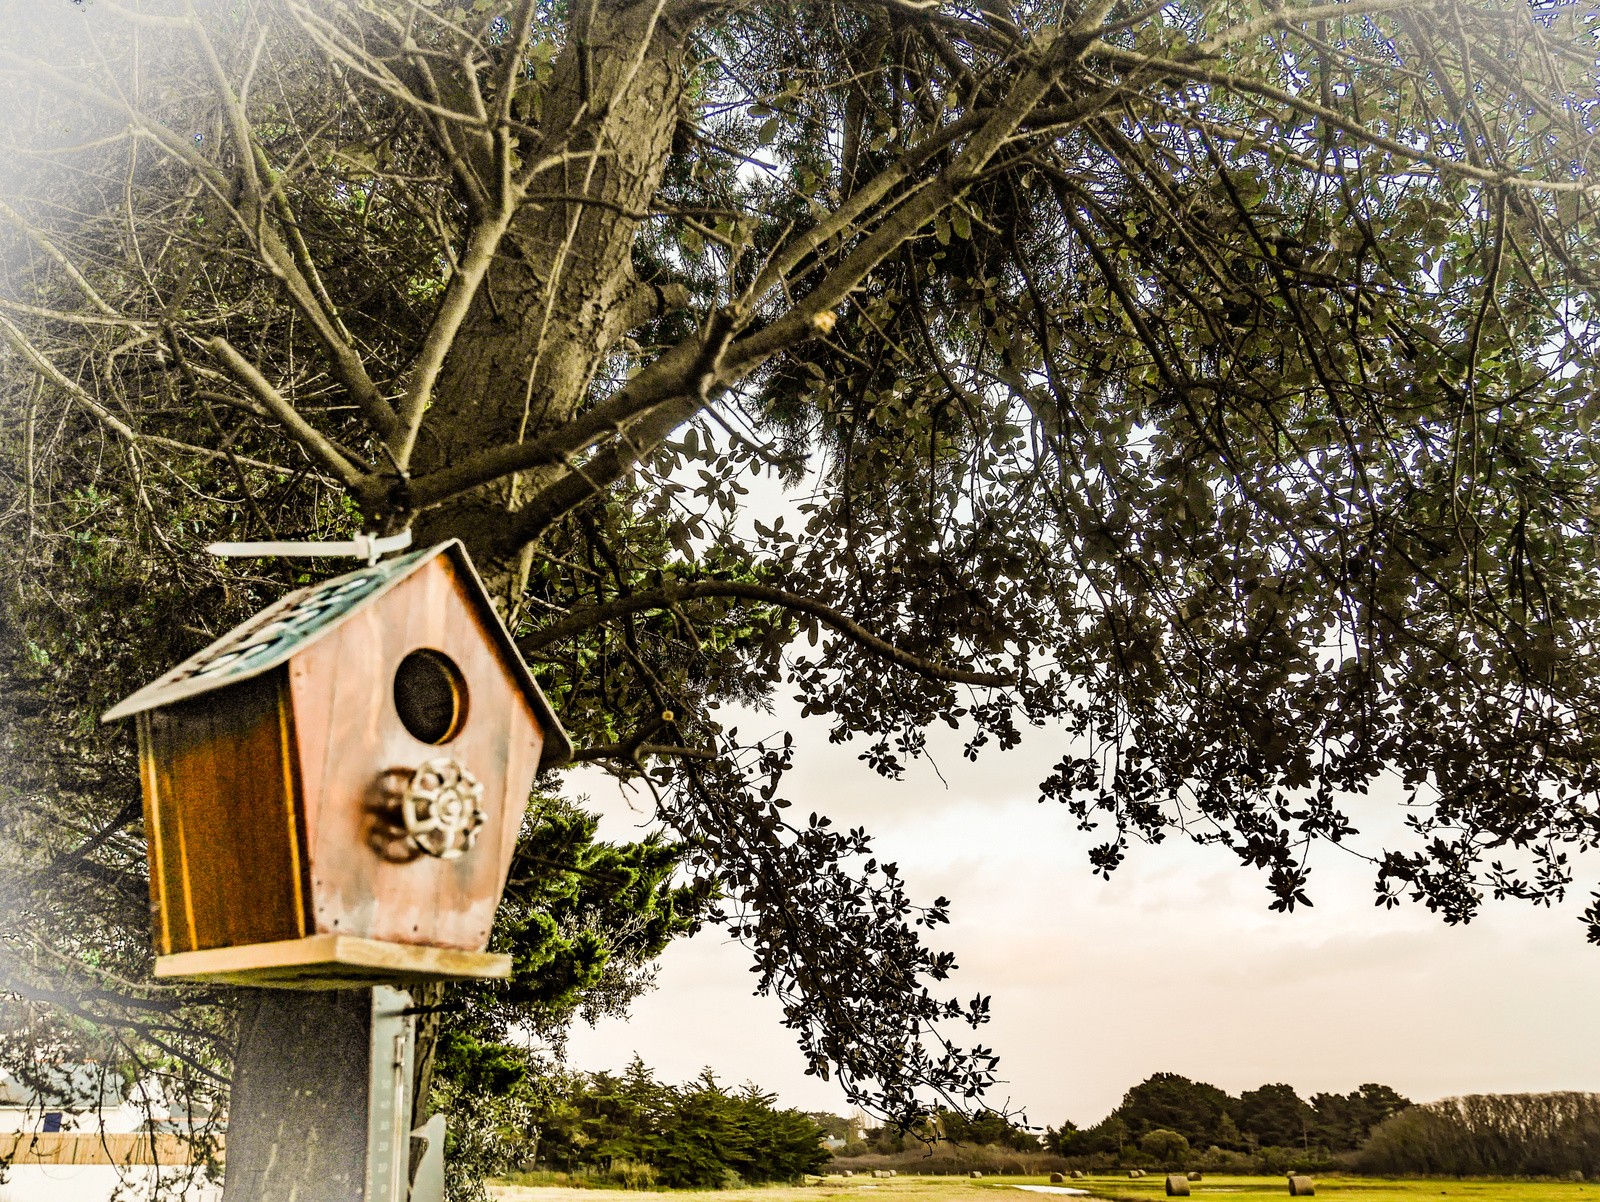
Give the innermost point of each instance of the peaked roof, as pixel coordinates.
(295, 621)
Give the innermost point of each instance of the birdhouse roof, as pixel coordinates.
(295, 621)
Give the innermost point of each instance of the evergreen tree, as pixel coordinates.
(697, 1136)
(1275, 1116)
(1193, 1109)
(1343, 1122)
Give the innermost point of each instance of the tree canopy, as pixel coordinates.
(1210, 386)
(1205, 1116)
(634, 1130)
(1544, 1134)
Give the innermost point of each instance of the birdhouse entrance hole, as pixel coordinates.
(430, 695)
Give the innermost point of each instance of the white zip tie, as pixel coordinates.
(363, 546)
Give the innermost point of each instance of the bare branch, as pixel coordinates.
(37, 360)
(322, 450)
(82, 319)
(669, 595)
(50, 248)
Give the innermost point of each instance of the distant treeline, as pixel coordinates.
(1165, 1121)
(636, 1131)
(1205, 1117)
(1525, 1134)
(1169, 1121)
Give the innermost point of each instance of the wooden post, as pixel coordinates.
(321, 1104)
(296, 1119)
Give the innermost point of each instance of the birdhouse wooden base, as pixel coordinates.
(330, 962)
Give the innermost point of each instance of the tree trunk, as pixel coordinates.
(562, 292)
(557, 299)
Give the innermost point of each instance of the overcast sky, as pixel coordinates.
(1174, 965)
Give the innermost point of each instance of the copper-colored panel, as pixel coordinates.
(149, 780)
(228, 862)
(356, 755)
(162, 804)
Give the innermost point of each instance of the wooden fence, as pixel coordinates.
(75, 1147)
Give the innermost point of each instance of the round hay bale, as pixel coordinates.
(1194, 1176)
(1177, 1185)
(1057, 1178)
(1077, 1174)
(1575, 1175)
(974, 1174)
(1135, 1173)
(848, 1173)
(1301, 1187)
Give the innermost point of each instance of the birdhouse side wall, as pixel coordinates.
(356, 757)
(226, 842)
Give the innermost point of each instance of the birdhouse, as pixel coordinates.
(333, 790)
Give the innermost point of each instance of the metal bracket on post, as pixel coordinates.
(394, 1041)
(428, 1185)
(369, 547)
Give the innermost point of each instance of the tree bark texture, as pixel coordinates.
(562, 292)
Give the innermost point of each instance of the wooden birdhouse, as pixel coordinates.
(333, 790)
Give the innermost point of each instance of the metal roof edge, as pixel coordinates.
(150, 696)
(557, 749)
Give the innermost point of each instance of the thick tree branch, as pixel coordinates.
(703, 354)
(680, 372)
(321, 449)
(669, 595)
(465, 280)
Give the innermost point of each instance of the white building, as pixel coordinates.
(83, 1097)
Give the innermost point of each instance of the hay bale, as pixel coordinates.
(848, 1173)
(1177, 1185)
(1077, 1174)
(1135, 1172)
(1194, 1176)
(1057, 1178)
(1575, 1175)
(1301, 1187)
(892, 1172)
(974, 1174)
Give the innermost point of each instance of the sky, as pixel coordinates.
(1174, 965)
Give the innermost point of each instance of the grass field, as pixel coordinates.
(1355, 1189)
(1109, 1189)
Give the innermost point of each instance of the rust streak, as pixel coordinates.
(291, 796)
(152, 822)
